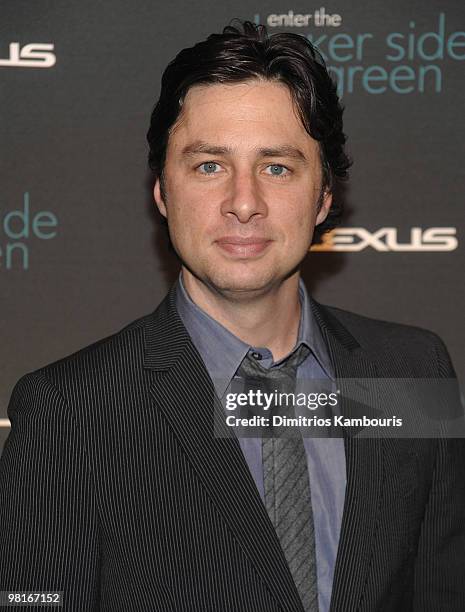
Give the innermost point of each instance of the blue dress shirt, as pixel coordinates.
(222, 353)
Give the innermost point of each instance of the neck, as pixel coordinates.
(269, 320)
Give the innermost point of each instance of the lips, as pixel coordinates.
(242, 247)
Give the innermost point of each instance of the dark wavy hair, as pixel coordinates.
(248, 52)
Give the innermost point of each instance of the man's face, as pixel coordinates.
(242, 184)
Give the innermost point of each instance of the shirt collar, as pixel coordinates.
(222, 352)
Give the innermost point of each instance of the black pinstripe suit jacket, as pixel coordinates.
(114, 490)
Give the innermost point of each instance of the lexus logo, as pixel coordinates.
(386, 239)
(33, 55)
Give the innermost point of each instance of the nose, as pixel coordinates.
(244, 199)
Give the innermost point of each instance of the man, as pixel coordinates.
(115, 486)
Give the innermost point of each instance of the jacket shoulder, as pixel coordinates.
(111, 358)
(404, 344)
(363, 324)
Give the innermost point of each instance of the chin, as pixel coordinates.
(244, 285)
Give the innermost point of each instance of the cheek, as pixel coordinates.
(182, 206)
(188, 221)
(295, 220)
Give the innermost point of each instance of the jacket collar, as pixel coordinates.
(166, 336)
(330, 325)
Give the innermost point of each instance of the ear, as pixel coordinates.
(324, 210)
(158, 198)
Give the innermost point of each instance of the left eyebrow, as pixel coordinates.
(283, 151)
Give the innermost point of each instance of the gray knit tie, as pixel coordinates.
(286, 481)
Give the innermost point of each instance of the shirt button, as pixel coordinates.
(256, 356)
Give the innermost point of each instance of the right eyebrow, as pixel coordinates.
(199, 146)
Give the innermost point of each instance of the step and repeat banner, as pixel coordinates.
(82, 249)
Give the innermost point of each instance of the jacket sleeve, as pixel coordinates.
(48, 517)
(440, 562)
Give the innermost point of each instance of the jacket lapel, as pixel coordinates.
(364, 464)
(183, 391)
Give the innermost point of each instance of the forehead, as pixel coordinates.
(255, 112)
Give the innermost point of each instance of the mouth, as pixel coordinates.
(243, 248)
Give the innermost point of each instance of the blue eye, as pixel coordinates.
(209, 168)
(277, 170)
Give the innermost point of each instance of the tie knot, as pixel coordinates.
(277, 383)
(250, 368)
